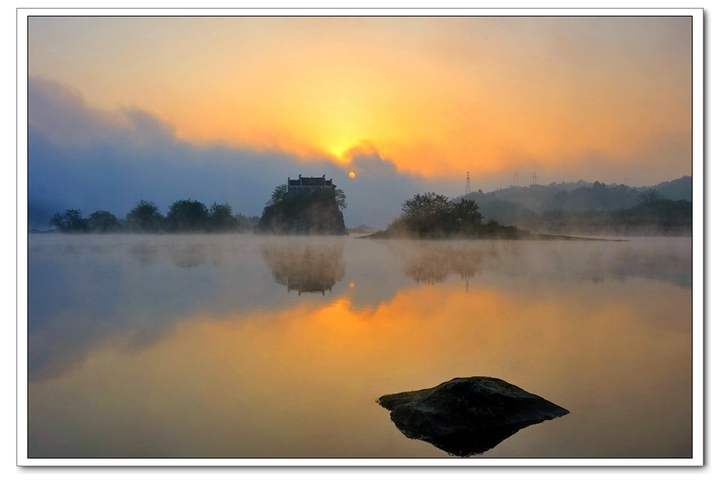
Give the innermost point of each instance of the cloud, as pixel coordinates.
(379, 188)
(85, 158)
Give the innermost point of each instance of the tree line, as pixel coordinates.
(182, 216)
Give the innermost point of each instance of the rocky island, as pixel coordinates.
(467, 416)
(304, 206)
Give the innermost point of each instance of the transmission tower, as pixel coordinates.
(467, 183)
(532, 178)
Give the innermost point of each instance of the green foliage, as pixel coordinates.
(425, 205)
(655, 216)
(517, 205)
(677, 190)
(651, 217)
(649, 197)
(246, 223)
(103, 222)
(187, 216)
(69, 222)
(340, 199)
(144, 217)
(465, 217)
(221, 218)
(278, 194)
(309, 212)
(432, 215)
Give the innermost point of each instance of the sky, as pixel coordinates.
(223, 109)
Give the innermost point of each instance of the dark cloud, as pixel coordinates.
(88, 159)
(61, 115)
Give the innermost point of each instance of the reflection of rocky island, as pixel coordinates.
(306, 268)
(467, 416)
(308, 205)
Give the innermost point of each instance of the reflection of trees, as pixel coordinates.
(183, 254)
(437, 261)
(305, 268)
(189, 255)
(668, 265)
(579, 260)
(144, 252)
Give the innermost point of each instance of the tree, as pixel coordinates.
(69, 222)
(432, 215)
(277, 195)
(102, 222)
(246, 223)
(427, 214)
(222, 219)
(466, 217)
(187, 215)
(145, 217)
(649, 197)
(341, 199)
(425, 205)
(307, 212)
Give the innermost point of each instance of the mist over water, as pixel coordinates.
(261, 346)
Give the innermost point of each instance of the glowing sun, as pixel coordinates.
(351, 174)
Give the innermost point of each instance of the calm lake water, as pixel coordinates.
(247, 346)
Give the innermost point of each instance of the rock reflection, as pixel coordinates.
(305, 268)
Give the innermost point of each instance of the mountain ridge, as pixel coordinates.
(569, 206)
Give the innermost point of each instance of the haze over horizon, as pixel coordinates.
(223, 109)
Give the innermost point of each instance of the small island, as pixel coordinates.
(434, 216)
(304, 206)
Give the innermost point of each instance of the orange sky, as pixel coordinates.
(437, 96)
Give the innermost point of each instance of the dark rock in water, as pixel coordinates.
(467, 416)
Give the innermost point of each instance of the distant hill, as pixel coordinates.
(661, 217)
(514, 201)
(513, 204)
(677, 190)
(577, 204)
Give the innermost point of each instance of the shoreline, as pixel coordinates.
(520, 237)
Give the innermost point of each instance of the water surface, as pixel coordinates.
(243, 346)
